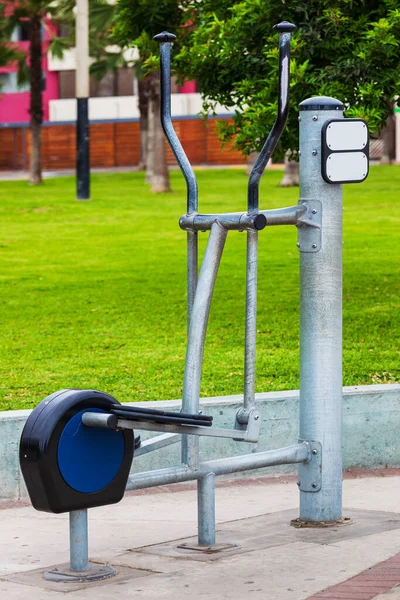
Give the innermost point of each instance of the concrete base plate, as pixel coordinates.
(189, 548)
(318, 524)
(38, 579)
(63, 574)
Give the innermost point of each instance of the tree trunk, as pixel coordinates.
(291, 173)
(150, 142)
(144, 120)
(115, 81)
(251, 161)
(36, 101)
(160, 181)
(389, 139)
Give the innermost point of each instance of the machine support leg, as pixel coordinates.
(206, 509)
(78, 536)
(79, 568)
(251, 320)
(197, 333)
(320, 322)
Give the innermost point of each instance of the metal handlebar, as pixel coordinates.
(285, 28)
(164, 39)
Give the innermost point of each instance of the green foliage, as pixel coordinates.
(8, 52)
(93, 293)
(151, 16)
(21, 11)
(349, 50)
(138, 21)
(58, 46)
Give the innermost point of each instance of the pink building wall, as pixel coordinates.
(14, 108)
(189, 87)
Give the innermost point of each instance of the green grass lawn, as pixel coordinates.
(93, 293)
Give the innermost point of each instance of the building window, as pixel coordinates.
(21, 32)
(9, 84)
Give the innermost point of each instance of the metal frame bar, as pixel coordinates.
(157, 442)
(250, 434)
(197, 333)
(188, 445)
(284, 29)
(298, 453)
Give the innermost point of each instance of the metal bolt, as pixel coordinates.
(298, 483)
(314, 485)
(314, 211)
(299, 153)
(314, 153)
(315, 118)
(315, 451)
(256, 417)
(299, 118)
(298, 245)
(314, 246)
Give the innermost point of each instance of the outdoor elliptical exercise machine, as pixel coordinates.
(77, 445)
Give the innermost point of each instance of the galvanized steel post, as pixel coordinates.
(321, 321)
(206, 509)
(78, 540)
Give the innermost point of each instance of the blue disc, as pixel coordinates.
(89, 457)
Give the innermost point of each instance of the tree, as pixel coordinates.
(345, 49)
(111, 57)
(34, 13)
(137, 22)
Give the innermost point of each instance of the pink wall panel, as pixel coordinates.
(14, 108)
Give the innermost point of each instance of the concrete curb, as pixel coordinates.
(371, 417)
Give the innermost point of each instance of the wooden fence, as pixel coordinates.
(112, 144)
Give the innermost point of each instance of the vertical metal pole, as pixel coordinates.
(321, 321)
(251, 319)
(285, 29)
(191, 384)
(190, 444)
(197, 334)
(206, 509)
(78, 538)
(82, 95)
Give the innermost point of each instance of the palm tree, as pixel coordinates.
(34, 14)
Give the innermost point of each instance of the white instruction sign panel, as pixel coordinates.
(347, 135)
(344, 151)
(347, 167)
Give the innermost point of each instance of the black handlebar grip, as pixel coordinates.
(164, 37)
(285, 27)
